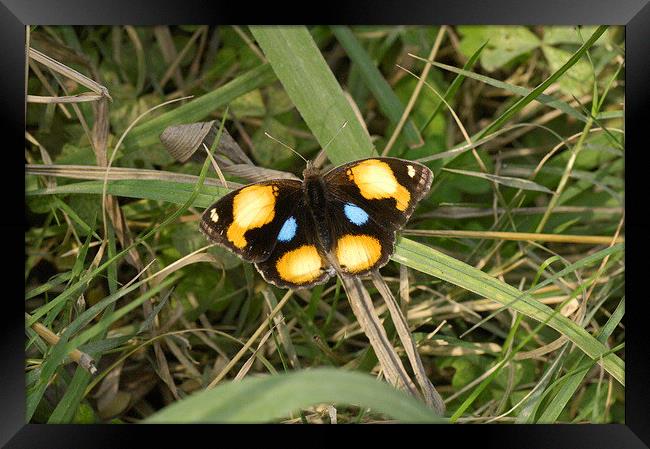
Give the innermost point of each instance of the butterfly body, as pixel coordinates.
(300, 233)
(315, 197)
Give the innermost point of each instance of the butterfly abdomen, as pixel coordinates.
(316, 199)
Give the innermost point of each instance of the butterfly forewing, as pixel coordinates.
(388, 188)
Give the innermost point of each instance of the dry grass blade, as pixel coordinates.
(416, 92)
(283, 330)
(81, 358)
(173, 67)
(63, 69)
(33, 66)
(249, 363)
(431, 396)
(182, 141)
(254, 173)
(250, 341)
(369, 322)
(168, 50)
(79, 98)
(118, 173)
(461, 212)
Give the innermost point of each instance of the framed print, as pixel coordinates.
(406, 214)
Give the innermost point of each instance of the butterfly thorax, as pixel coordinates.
(316, 200)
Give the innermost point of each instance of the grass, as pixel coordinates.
(511, 280)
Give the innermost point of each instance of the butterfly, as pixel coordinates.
(300, 233)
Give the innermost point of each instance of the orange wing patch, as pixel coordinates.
(376, 180)
(252, 207)
(300, 266)
(357, 253)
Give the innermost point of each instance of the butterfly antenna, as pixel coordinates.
(285, 145)
(335, 135)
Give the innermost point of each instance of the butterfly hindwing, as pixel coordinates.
(296, 261)
(247, 221)
(369, 201)
(360, 242)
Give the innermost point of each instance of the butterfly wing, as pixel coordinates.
(360, 241)
(248, 221)
(296, 261)
(369, 200)
(269, 223)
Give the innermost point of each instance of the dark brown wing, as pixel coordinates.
(385, 187)
(369, 200)
(247, 221)
(296, 260)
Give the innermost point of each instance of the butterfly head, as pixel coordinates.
(310, 171)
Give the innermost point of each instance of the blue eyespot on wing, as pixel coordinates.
(355, 214)
(288, 231)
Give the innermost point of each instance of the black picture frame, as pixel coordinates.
(633, 14)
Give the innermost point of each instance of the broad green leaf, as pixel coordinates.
(267, 399)
(505, 43)
(569, 35)
(151, 189)
(578, 80)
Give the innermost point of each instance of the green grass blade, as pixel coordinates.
(150, 189)
(75, 217)
(309, 82)
(100, 328)
(388, 102)
(198, 109)
(258, 400)
(454, 86)
(516, 183)
(64, 411)
(523, 91)
(573, 380)
(56, 280)
(435, 263)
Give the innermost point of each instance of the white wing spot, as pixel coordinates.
(214, 216)
(411, 171)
